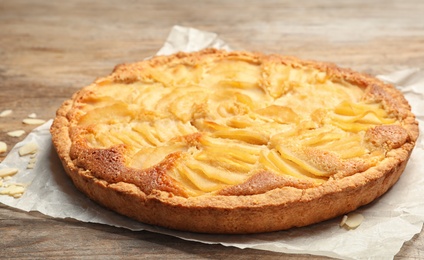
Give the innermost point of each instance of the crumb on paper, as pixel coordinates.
(32, 161)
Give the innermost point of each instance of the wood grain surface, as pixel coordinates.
(50, 49)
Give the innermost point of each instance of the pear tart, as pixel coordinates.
(234, 142)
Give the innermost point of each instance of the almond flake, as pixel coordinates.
(353, 220)
(33, 121)
(8, 172)
(29, 148)
(12, 190)
(5, 113)
(343, 222)
(32, 115)
(3, 147)
(16, 133)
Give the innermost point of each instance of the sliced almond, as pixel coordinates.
(16, 184)
(8, 172)
(32, 115)
(33, 121)
(29, 148)
(353, 220)
(5, 113)
(13, 190)
(3, 147)
(343, 222)
(16, 133)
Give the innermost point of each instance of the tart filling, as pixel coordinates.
(217, 137)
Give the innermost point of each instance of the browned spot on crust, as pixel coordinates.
(109, 165)
(387, 136)
(264, 181)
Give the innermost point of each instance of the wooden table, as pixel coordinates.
(49, 49)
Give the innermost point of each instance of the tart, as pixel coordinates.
(234, 142)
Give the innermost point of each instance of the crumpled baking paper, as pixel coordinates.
(389, 221)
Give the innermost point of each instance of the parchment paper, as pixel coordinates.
(389, 221)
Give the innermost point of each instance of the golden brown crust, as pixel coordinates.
(330, 183)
